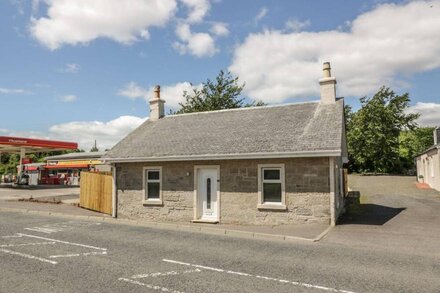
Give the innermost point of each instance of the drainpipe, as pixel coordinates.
(114, 193)
(332, 191)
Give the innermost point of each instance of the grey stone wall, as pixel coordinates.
(307, 192)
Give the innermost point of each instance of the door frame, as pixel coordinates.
(196, 183)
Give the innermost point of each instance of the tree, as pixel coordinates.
(222, 93)
(373, 131)
(413, 142)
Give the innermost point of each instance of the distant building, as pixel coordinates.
(268, 165)
(428, 163)
(65, 169)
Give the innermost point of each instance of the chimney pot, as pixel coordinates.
(326, 69)
(157, 92)
(157, 105)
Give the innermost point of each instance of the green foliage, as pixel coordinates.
(413, 142)
(222, 93)
(373, 132)
(8, 163)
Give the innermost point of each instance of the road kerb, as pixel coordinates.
(238, 233)
(216, 231)
(323, 234)
(265, 236)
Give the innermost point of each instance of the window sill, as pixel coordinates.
(273, 206)
(152, 202)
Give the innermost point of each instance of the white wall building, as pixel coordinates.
(428, 163)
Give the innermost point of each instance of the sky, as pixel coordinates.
(84, 70)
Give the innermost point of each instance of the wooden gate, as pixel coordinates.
(96, 192)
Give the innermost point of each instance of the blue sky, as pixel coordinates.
(69, 74)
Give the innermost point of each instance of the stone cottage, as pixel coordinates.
(254, 166)
(428, 163)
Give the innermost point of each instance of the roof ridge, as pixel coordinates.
(242, 109)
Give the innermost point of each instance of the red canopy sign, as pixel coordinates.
(14, 144)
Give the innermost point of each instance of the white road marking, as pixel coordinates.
(171, 273)
(12, 236)
(59, 227)
(192, 265)
(259, 277)
(80, 254)
(61, 241)
(42, 230)
(28, 256)
(158, 288)
(27, 244)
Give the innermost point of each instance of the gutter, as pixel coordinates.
(311, 154)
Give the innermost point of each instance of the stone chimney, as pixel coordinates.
(328, 85)
(157, 107)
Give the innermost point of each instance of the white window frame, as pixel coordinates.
(152, 201)
(271, 205)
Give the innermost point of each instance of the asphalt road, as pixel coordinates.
(50, 254)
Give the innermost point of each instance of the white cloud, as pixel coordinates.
(295, 25)
(379, 47)
(197, 44)
(133, 91)
(429, 113)
(13, 91)
(81, 21)
(71, 68)
(261, 14)
(69, 98)
(107, 134)
(219, 29)
(198, 9)
(172, 94)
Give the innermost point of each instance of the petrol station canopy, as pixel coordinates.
(17, 145)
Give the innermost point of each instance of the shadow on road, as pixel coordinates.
(367, 213)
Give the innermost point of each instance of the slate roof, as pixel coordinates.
(307, 128)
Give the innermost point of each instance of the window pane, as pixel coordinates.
(208, 193)
(153, 190)
(271, 174)
(153, 175)
(272, 192)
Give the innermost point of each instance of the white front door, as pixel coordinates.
(207, 187)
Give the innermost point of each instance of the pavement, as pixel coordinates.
(64, 200)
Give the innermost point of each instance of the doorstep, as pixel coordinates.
(202, 221)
